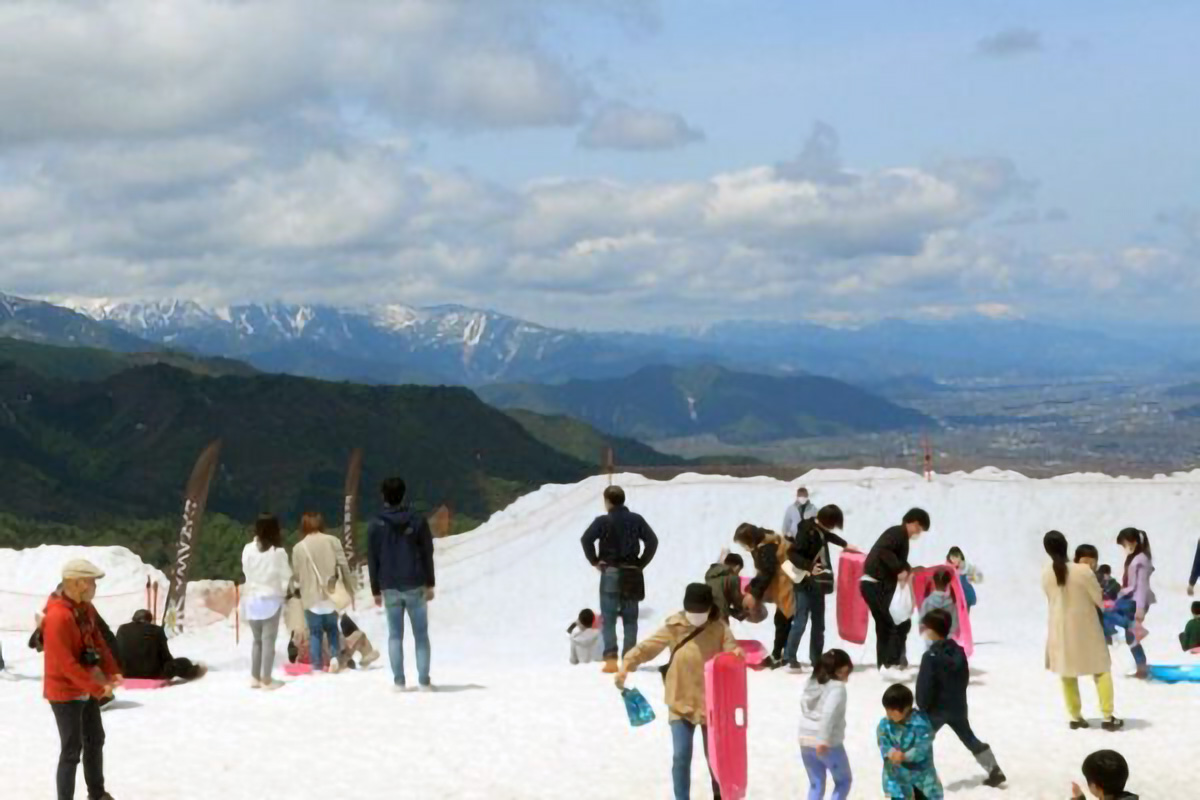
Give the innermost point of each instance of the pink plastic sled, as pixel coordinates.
(745, 585)
(297, 669)
(756, 652)
(135, 684)
(725, 698)
(852, 611)
(922, 584)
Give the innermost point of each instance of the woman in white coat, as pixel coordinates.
(268, 575)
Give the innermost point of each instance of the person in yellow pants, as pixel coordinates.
(1075, 636)
(1104, 688)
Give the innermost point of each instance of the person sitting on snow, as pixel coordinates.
(143, 652)
(1190, 638)
(586, 644)
(352, 642)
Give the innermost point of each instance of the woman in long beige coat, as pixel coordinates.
(685, 678)
(1075, 637)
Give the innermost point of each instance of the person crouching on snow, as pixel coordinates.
(693, 636)
(941, 600)
(586, 645)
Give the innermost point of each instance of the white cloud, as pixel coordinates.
(617, 126)
(140, 67)
(334, 219)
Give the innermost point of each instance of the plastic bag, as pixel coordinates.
(637, 707)
(901, 607)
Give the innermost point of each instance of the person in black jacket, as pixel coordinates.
(885, 567)
(620, 534)
(142, 652)
(942, 691)
(400, 564)
(810, 560)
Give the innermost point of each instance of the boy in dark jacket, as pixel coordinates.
(942, 691)
(400, 562)
(1106, 773)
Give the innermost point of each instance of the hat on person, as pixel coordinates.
(81, 568)
(698, 598)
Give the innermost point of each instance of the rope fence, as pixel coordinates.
(19, 610)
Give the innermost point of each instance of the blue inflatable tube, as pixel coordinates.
(1175, 674)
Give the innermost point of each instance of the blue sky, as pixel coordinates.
(608, 163)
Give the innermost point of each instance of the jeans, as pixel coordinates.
(396, 603)
(890, 638)
(682, 736)
(1124, 615)
(613, 605)
(262, 653)
(810, 601)
(962, 729)
(319, 624)
(79, 731)
(836, 763)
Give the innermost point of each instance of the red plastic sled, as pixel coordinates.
(297, 669)
(852, 611)
(136, 684)
(745, 585)
(756, 652)
(922, 584)
(725, 700)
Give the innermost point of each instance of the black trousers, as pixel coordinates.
(891, 640)
(783, 627)
(80, 731)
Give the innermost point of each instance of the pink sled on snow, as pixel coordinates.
(755, 652)
(922, 585)
(727, 709)
(852, 611)
(137, 684)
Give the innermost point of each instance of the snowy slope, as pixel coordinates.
(518, 722)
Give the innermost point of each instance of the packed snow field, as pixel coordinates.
(514, 720)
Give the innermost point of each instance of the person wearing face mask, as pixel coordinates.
(797, 513)
(885, 569)
(80, 670)
(693, 636)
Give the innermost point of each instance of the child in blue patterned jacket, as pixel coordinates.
(905, 738)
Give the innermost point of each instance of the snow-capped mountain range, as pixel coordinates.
(386, 343)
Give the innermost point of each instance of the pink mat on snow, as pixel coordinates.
(756, 652)
(136, 684)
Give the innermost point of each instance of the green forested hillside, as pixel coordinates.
(105, 460)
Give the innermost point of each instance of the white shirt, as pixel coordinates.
(267, 577)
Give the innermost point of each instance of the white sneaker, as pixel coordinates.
(272, 685)
(399, 688)
(892, 674)
(335, 666)
(255, 683)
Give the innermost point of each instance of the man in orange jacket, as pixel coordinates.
(80, 671)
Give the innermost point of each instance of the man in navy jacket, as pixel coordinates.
(400, 562)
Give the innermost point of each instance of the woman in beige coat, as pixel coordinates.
(1075, 638)
(685, 678)
(318, 565)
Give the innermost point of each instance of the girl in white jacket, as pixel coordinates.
(823, 726)
(268, 575)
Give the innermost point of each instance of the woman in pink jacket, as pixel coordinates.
(1136, 596)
